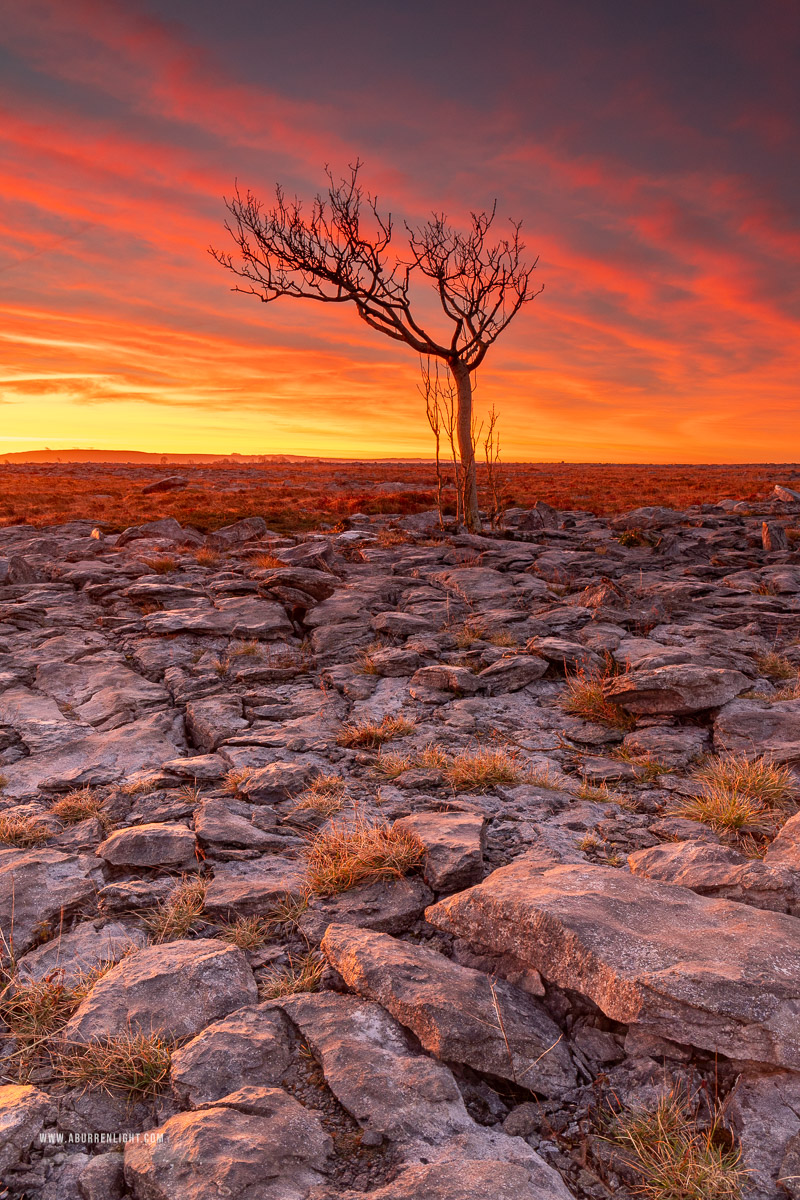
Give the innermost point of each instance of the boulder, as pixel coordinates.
(253, 887)
(235, 535)
(679, 690)
(234, 616)
(387, 905)
(23, 1110)
(454, 844)
(711, 973)
(229, 823)
(756, 727)
(170, 483)
(277, 781)
(445, 678)
(458, 1014)
(39, 889)
(785, 847)
(249, 1044)
(399, 624)
(511, 673)
(569, 656)
(212, 719)
(258, 1143)
(175, 989)
(150, 845)
(398, 1094)
(714, 870)
(763, 1111)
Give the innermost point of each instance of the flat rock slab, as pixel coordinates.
(38, 886)
(754, 727)
(511, 673)
(387, 905)
(677, 690)
(101, 757)
(258, 1143)
(239, 617)
(150, 845)
(88, 945)
(250, 1044)
(22, 1114)
(714, 870)
(175, 989)
(277, 781)
(454, 844)
(251, 888)
(410, 1099)
(458, 1014)
(463, 1180)
(717, 975)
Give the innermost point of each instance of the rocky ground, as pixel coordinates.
(183, 721)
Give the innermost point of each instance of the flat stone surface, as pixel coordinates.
(150, 845)
(37, 886)
(90, 944)
(679, 689)
(721, 976)
(454, 844)
(250, 889)
(458, 1014)
(175, 989)
(714, 870)
(23, 1110)
(387, 905)
(258, 1143)
(755, 727)
(249, 1045)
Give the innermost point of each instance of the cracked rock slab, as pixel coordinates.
(711, 973)
(38, 886)
(454, 845)
(458, 1014)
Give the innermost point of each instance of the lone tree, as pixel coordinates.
(328, 256)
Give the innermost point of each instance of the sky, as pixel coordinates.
(649, 147)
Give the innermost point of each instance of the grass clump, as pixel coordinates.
(179, 914)
(162, 564)
(23, 832)
(586, 697)
(248, 933)
(207, 558)
(737, 791)
(484, 767)
(302, 974)
(135, 1063)
(266, 562)
(677, 1154)
(776, 666)
(235, 778)
(36, 1009)
(78, 805)
(370, 735)
(348, 853)
(325, 796)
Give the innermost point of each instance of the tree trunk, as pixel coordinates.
(466, 448)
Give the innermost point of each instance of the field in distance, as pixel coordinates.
(303, 495)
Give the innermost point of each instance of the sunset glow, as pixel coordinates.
(652, 159)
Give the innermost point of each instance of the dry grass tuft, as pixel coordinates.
(180, 913)
(207, 558)
(483, 768)
(325, 796)
(266, 562)
(135, 1063)
(345, 854)
(585, 697)
(138, 787)
(775, 666)
(162, 564)
(393, 537)
(372, 734)
(78, 805)
(301, 975)
(676, 1154)
(251, 649)
(248, 933)
(738, 792)
(235, 778)
(23, 831)
(36, 1009)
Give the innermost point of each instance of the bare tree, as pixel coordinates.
(329, 256)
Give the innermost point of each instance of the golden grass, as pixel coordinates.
(162, 564)
(235, 778)
(372, 734)
(135, 1063)
(138, 787)
(23, 832)
(36, 1009)
(347, 853)
(585, 697)
(737, 791)
(675, 1154)
(78, 805)
(180, 913)
(266, 562)
(300, 975)
(325, 795)
(484, 767)
(776, 666)
(248, 933)
(207, 558)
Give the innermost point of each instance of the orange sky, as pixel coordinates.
(654, 165)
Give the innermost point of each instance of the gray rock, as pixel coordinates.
(235, 535)
(445, 678)
(213, 719)
(169, 483)
(454, 845)
(251, 888)
(39, 888)
(717, 975)
(151, 845)
(465, 1180)
(679, 690)
(755, 727)
(257, 1143)
(103, 1178)
(276, 782)
(511, 673)
(23, 1111)
(764, 1112)
(458, 1014)
(785, 846)
(388, 906)
(175, 989)
(90, 944)
(229, 823)
(714, 870)
(236, 617)
(250, 1044)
